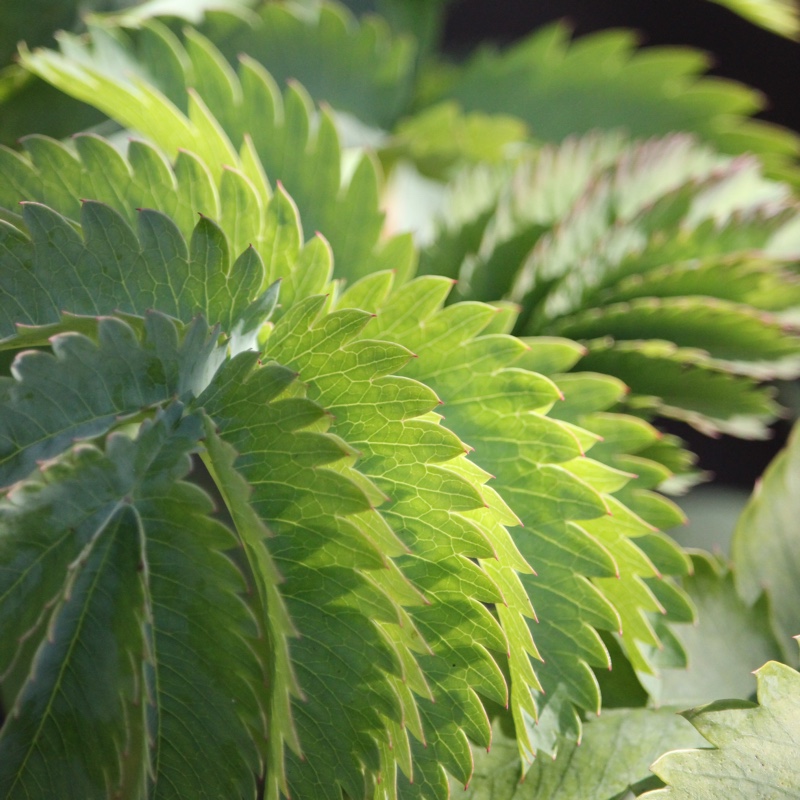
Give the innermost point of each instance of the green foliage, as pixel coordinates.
(723, 649)
(765, 544)
(624, 742)
(562, 88)
(111, 615)
(755, 747)
(28, 103)
(780, 16)
(403, 571)
(368, 70)
(419, 508)
(499, 407)
(442, 136)
(583, 236)
(621, 247)
(237, 119)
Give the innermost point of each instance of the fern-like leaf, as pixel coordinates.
(562, 88)
(621, 251)
(142, 212)
(234, 118)
(367, 69)
(88, 385)
(109, 614)
(389, 540)
(504, 410)
(306, 504)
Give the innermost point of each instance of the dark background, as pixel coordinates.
(738, 50)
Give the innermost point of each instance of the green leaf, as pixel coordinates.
(539, 470)
(767, 285)
(71, 265)
(367, 68)
(765, 548)
(624, 249)
(754, 747)
(417, 462)
(270, 607)
(671, 201)
(420, 18)
(208, 623)
(383, 589)
(96, 633)
(680, 384)
(87, 385)
(350, 584)
(780, 16)
(624, 743)
(144, 606)
(562, 87)
(723, 648)
(551, 354)
(234, 118)
(733, 336)
(283, 486)
(439, 137)
(109, 267)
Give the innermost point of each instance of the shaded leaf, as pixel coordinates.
(733, 336)
(87, 385)
(725, 645)
(765, 548)
(367, 68)
(680, 383)
(615, 753)
(96, 633)
(147, 610)
(754, 746)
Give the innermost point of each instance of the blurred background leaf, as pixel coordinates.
(779, 16)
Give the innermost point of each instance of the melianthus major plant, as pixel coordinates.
(438, 519)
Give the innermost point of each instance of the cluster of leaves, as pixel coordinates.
(621, 246)
(374, 591)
